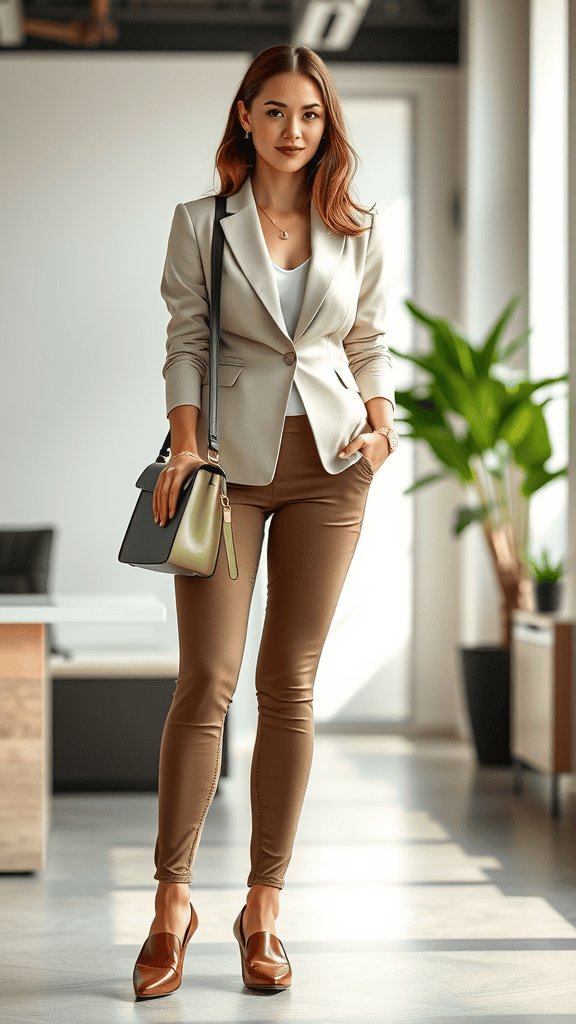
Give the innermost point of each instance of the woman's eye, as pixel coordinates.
(310, 115)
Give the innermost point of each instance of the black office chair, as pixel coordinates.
(25, 557)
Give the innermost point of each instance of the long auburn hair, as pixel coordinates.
(330, 172)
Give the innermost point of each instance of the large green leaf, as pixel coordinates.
(488, 396)
(526, 432)
(449, 450)
(425, 480)
(488, 351)
(466, 515)
(461, 399)
(422, 410)
(419, 313)
(506, 353)
(426, 361)
(538, 477)
(453, 350)
(516, 394)
(450, 347)
(497, 413)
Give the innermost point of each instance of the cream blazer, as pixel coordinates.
(338, 357)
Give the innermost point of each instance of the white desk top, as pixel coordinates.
(81, 608)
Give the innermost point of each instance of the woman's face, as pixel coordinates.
(287, 120)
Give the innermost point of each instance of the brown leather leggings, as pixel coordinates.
(316, 518)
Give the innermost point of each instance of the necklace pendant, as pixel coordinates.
(283, 234)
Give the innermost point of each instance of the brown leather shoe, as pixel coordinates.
(263, 958)
(158, 969)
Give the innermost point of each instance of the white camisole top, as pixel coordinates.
(291, 285)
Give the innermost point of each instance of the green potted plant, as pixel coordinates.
(487, 432)
(547, 582)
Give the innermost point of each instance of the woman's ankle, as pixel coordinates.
(264, 896)
(172, 893)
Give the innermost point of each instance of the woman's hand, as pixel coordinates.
(169, 483)
(374, 445)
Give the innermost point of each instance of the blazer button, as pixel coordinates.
(289, 358)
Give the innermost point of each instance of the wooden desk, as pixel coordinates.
(541, 696)
(26, 711)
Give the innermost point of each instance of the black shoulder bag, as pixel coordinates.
(189, 543)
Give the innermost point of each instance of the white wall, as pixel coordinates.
(96, 152)
(570, 601)
(495, 238)
(549, 309)
(553, 267)
(571, 311)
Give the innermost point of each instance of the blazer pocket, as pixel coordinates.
(347, 377)
(227, 376)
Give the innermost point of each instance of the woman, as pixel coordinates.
(305, 421)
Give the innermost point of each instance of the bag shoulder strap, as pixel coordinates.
(216, 291)
(214, 349)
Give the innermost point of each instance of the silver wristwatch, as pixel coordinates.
(390, 435)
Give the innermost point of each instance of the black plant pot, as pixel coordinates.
(486, 672)
(548, 596)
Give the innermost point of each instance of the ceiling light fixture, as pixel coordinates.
(330, 24)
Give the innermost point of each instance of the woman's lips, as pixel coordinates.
(290, 149)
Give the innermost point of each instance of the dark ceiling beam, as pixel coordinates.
(170, 15)
(380, 13)
(257, 13)
(372, 44)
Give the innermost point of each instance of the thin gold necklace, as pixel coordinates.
(283, 233)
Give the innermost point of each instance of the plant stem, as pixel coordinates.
(479, 473)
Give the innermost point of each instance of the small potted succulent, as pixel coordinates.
(547, 579)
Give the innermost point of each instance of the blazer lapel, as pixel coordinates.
(246, 240)
(327, 250)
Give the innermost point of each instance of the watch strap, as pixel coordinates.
(383, 429)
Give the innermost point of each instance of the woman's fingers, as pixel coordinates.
(353, 446)
(364, 443)
(156, 496)
(172, 496)
(168, 497)
(168, 486)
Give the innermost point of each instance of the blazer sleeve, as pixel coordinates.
(184, 291)
(368, 355)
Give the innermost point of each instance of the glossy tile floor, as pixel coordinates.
(420, 889)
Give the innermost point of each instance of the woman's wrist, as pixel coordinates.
(382, 431)
(183, 423)
(380, 412)
(175, 455)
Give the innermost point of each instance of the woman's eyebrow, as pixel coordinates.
(278, 104)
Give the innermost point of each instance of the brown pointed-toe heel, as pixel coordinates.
(264, 962)
(158, 969)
